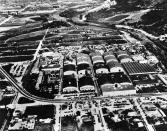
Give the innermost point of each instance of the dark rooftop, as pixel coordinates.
(105, 79)
(112, 64)
(85, 81)
(110, 58)
(82, 66)
(143, 79)
(69, 67)
(43, 112)
(134, 68)
(99, 65)
(112, 78)
(69, 81)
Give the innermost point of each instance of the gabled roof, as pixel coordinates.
(110, 53)
(95, 54)
(124, 57)
(110, 58)
(112, 64)
(81, 55)
(98, 60)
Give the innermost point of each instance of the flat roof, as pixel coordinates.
(85, 80)
(143, 79)
(112, 78)
(134, 68)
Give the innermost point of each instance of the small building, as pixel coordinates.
(139, 58)
(83, 60)
(43, 62)
(144, 81)
(53, 76)
(39, 80)
(152, 59)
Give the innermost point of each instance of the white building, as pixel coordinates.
(152, 59)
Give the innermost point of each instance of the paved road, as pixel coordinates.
(149, 127)
(27, 94)
(40, 45)
(21, 89)
(3, 22)
(139, 30)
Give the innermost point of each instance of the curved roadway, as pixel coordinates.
(25, 93)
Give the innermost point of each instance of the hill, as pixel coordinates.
(153, 21)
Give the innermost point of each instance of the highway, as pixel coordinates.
(137, 30)
(26, 94)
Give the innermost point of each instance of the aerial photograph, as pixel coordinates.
(83, 65)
